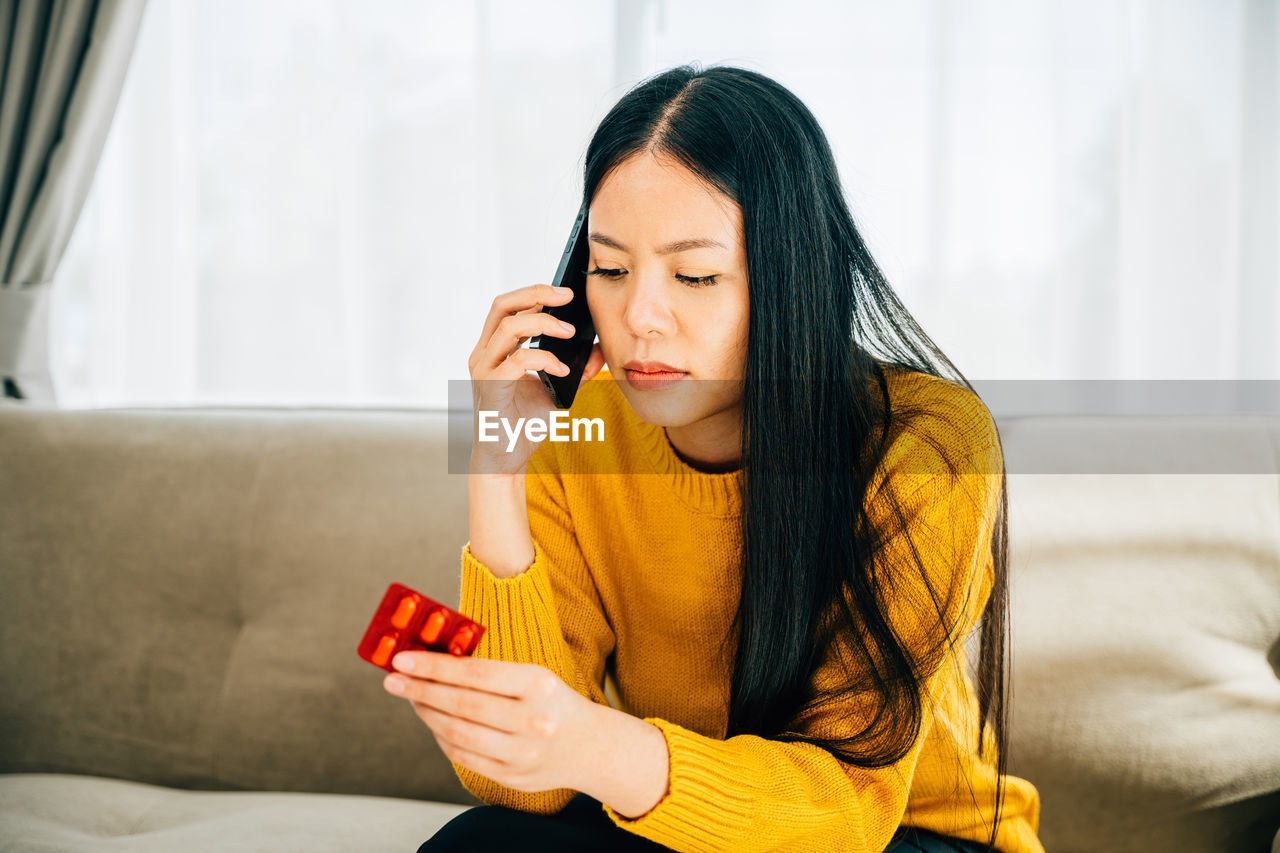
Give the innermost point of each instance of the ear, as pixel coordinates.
(594, 364)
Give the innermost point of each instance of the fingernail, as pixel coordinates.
(566, 326)
(395, 685)
(565, 289)
(403, 661)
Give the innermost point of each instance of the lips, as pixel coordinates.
(652, 375)
(651, 367)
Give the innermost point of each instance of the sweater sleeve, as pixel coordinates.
(550, 614)
(750, 793)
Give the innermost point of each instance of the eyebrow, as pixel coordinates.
(669, 249)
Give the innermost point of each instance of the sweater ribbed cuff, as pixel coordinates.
(518, 613)
(521, 626)
(710, 800)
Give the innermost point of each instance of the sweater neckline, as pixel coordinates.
(718, 494)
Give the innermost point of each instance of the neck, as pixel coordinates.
(713, 444)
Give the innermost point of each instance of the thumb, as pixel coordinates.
(595, 363)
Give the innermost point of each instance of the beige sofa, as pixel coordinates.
(184, 591)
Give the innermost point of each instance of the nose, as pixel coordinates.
(647, 311)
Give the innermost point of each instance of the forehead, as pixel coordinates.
(648, 201)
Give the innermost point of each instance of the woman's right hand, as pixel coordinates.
(500, 381)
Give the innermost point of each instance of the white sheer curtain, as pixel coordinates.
(314, 202)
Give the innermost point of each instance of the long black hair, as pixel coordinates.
(824, 330)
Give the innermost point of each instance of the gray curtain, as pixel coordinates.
(62, 65)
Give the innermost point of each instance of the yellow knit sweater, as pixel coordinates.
(636, 578)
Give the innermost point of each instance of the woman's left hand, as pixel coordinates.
(518, 724)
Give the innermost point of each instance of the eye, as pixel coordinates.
(693, 281)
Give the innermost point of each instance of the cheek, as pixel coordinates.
(731, 332)
(603, 316)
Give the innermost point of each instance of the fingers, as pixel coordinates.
(524, 360)
(514, 330)
(459, 745)
(484, 709)
(525, 300)
(500, 677)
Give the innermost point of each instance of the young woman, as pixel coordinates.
(775, 555)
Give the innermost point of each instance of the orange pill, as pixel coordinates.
(382, 651)
(405, 609)
(433, 626)
(461, 639)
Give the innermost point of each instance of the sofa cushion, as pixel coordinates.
(54, 812)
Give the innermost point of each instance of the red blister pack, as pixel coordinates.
(407, 620)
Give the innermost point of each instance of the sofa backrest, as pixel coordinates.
(184, 590)
(1145, 623)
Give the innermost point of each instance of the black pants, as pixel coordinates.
(583, 827)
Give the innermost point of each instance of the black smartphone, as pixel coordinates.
(574, 351)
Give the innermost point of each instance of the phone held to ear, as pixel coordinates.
(574, 351)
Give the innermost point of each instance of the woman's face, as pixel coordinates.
(648, 311)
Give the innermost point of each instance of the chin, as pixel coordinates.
(667, 408)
